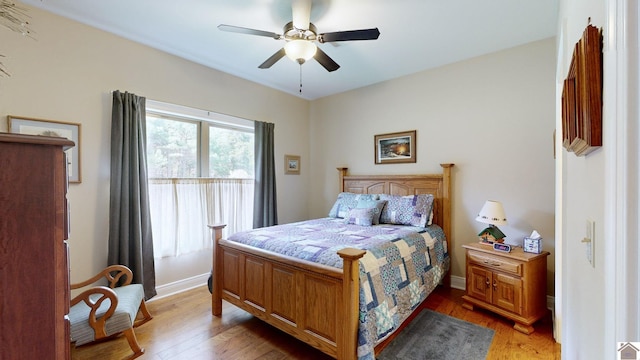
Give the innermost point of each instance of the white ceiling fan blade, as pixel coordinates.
(301, 11)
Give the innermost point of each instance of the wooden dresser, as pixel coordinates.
(511, 284)
(34, 271)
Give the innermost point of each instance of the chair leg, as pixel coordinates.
(146, 316)
(133, 343)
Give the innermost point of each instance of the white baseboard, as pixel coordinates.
(460, 283)
(180, 286)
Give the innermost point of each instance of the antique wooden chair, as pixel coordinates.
(102, 312)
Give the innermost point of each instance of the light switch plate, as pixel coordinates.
(590, 235)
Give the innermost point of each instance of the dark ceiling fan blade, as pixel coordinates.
(326, 61)
(364, 34)
(242, 30)
(273, 59)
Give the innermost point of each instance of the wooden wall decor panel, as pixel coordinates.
(569, 106)
(582, 96)
(590, 89)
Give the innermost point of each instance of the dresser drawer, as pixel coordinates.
(495, 262)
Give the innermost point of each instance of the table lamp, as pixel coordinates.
(492, 213)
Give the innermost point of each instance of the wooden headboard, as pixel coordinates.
(437, 184)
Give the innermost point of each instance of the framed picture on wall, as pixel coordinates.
(394, 148)
(71, 131)
(292, 164)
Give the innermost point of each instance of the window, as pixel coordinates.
(172, 147)
(230, 153)
(201, 169)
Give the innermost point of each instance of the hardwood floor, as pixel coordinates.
(183, 328)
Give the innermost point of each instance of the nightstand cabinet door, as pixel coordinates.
(479, 283)
(507, 293)
(501, 290)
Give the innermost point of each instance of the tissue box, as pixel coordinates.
(532, 245)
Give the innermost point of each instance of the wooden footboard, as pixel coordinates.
(315, 303)
(309, 301)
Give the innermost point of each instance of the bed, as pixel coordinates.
(322, 302)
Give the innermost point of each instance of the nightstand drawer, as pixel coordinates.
(495, 262)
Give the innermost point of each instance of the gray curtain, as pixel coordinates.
(130, 238)
(265, 210)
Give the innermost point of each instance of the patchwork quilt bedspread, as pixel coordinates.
(403, 264)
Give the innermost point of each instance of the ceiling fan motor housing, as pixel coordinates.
(291, 33)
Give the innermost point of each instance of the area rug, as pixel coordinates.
(435, 336)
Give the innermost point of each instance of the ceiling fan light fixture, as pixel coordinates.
(301, 36)
(300, 50)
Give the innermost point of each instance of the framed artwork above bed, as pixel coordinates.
(394, 148)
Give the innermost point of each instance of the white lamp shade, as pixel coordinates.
(300, 50)
(492, 213)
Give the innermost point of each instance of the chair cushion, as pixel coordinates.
(129, 299)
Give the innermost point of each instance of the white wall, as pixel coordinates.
(603, 187)
(493, 116)
(582, 197)
(68, 73)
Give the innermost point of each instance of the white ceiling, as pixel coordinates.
(415, 34)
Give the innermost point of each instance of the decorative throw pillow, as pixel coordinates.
(360, 216)
(377, 206)
(414, 210)
(347, 201)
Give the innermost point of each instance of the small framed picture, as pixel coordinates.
(292, 164)
(71, 131)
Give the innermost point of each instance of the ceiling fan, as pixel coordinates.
(300, 36)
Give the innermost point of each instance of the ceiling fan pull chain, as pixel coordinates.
(300, 78)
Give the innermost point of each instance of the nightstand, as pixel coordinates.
(512, 284)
